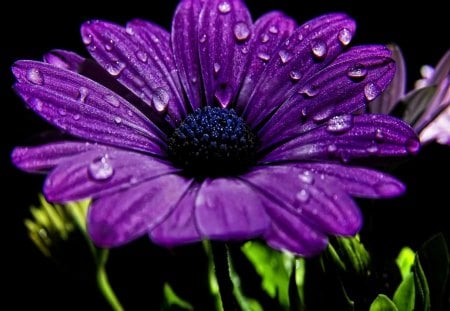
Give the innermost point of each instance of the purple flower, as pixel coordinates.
(222, 129)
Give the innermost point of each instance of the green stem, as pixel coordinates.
(103, 283)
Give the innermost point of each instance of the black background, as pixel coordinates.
(28, 31)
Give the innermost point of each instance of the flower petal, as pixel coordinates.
(270, 31)
(123, 216)
(227, 208)
(347, 137)
(45, 157)
(180, 226)
(84, 108)
(345, 86)
(65, 60)
(185, 49)
(356, 181)
(141, 61)
(224, 33)
(308, 50)
(99, 172)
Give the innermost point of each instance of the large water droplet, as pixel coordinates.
(112, 100)
(224, 7)
(100, 169)
(265, 38)
(307, 177)
(142, 56)
(319, 49)
(295, 75)
(345, 36)
(241, 31)
(82, 94)
(340, 124)
(273, 29)
(371, 91)
(323, 114)
(357, 72)
(160, 99)
(117, 120)
(115, 68)
(303, 196)
(309, 91)
(412, 145)
(264, 57)
(285, 56)
(35, 76)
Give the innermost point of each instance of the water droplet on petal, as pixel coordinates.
(115, 68)
(319, 49)
(295, 75)
(300, 37)
(129, 30)
(154, 38)
(357, 72)
(244, 50)
(109, 46)
(202, 38)
(241, 31)
(82, 94)
(118, 120)
(412, 145)
(100, 169)
(340, 124)
(37, 104)
(264, 57)
(224, 94)
(87, 39)
(224, 7)
(142, 56)
(76, 117)
(309, 91)
(373, 149)
(112, 100)
(273, 29)
(332, 149)
(62, 112)
(160, 99)
(303, 196)
(216, 68)
(130, 113)
(285, 56)
(371, 91)
(35, 76)
(345, 36)
(379, 136)
(323, 115)
(265, 38)
(307, 177)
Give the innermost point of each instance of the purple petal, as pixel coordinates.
(315, 201)
(396, 89)
(270, 31)
(224, 32)
(438, 129)
(308, 50)
(99, 172)
(346, 137)
(356, 181)
(185, 49)
(45, 157)
(227, 208)
(345, 86)
(84, 108)
(442, 70)
(118, 218)
(141, 61)
(180, 226)
(65, 60)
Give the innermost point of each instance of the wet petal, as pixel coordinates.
(348, 137)
(100, 172)
(345, 86)
(65, 60)
(121, 217)
(84, 108)
(224, 37)
(141, 61)
(310, 48)
(270, 31)
(227, 208)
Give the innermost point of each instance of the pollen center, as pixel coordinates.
(212, 141)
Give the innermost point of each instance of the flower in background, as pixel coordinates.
(223, 129)
(427, 107)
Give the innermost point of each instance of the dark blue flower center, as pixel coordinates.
(212, 141)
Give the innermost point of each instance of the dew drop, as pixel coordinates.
(332, 149)
(115, 68)
(130, 113)
(300, 37)
(87, 39)
(412, 145)
(35, 76)
(76, 117)
(117, 120)
(37, 104)
(216, 68)
(241, 31)
(202, 38)
(319, 49)
(62, 112)
(265, 38)
(273, 29)
(285, 56)
(357, 71)
(340, 124)
(309, 91)
(345, 36)
(224, 7)
(379, 136)
(295, 75)
(160, 99)
(303, 196)
(224, 94)
(142, 56)
(129, 30)
(307, 177)
(154, 38)
(100, 169)
(372, 149)
(112, 100)
(109, 46)
(323, 115)
(371, 91)
(244, 50)
(264, 57)
(82, 94)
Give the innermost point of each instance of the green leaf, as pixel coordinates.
(350, 254)
(405, 261)
(422, 300)
(274, 268)
(172, 299)
(382, 303)
(404, 296)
